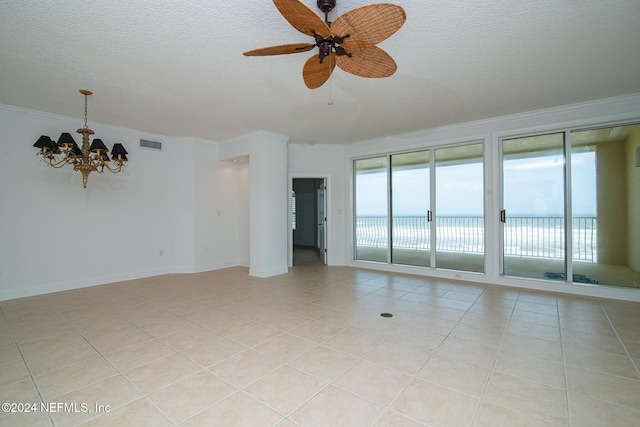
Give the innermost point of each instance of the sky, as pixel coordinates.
(531, 187)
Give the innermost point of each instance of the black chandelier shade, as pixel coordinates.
(98, 147)
(66, 141)
(44, 142)
(118, 152)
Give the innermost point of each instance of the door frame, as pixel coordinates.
(328, 223)
(321, 235)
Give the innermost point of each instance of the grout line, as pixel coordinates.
(626, 351)
(126, 378)
(493, 364)
(197, 413)
(564, 369)
(418, 370)
(26, 364)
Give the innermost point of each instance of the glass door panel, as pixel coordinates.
(533, 198)
(605, 204)
(410, 207)
(371, 209)
(459, 208)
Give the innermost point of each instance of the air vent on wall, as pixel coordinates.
(151, 144)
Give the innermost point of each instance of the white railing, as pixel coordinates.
(524, 236)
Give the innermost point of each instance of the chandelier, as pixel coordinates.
(92, 157)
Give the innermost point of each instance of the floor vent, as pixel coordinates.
(151, 144)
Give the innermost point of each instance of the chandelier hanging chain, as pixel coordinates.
(85, 110)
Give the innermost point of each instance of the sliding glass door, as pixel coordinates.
(409, 188)
(410, 207)
(605, 206)
(459, 213)
(571, 206)
(533, 197)
(371, 209)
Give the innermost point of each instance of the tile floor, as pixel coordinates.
(310, 348)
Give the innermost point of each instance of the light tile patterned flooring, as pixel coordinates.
(310, 348)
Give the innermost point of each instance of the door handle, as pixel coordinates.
(503, 216)
(429, 216)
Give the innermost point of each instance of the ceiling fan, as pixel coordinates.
(349, 42)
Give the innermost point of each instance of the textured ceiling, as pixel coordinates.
(176, 67)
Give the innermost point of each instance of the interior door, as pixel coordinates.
(322, 220)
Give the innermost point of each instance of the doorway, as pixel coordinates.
(308, 221)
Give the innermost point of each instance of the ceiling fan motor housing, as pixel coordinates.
(326, 5)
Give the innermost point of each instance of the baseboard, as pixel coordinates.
(67, 286)
(262, 273)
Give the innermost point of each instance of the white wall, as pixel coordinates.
(268, 216)
(181, 191)
(55, 234)
(244, 209)
(319, 161)
(217, 194)
(267, 153)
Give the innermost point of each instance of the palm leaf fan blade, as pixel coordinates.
(302, 18)
(371, 62)
(368, 25)
(316, 73)
(283, 49)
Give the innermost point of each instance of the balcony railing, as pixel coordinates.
(524, 236)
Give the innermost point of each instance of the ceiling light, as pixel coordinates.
(90, 158)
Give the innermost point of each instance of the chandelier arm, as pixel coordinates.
(98, 163)
(115, 169)
(95, 163)
(61, 163)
